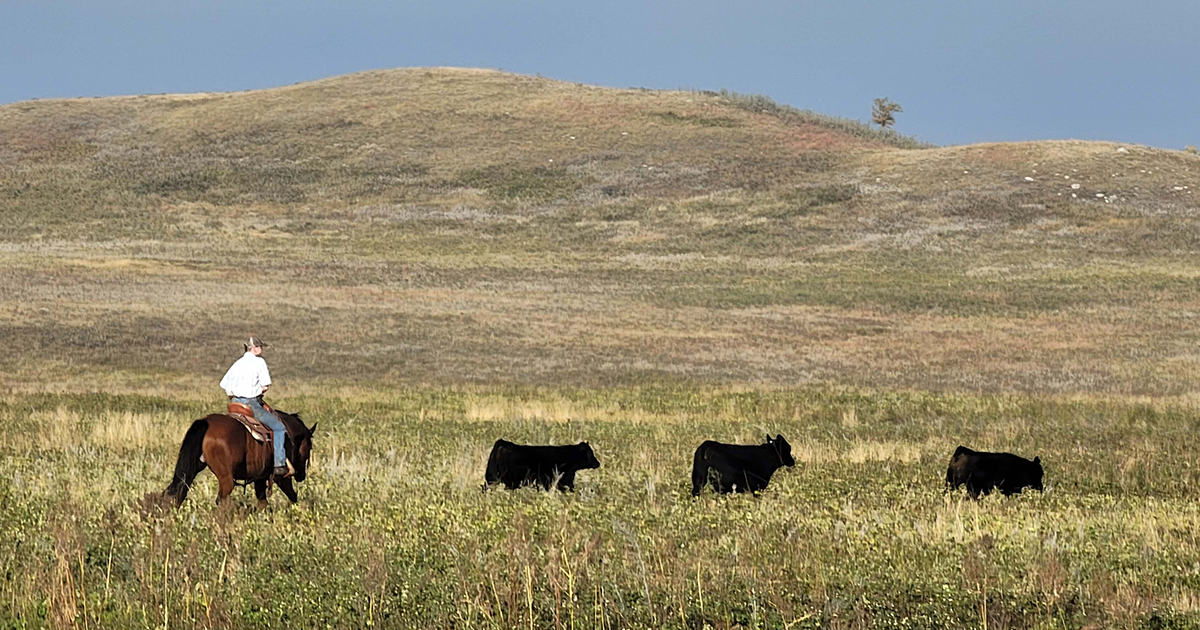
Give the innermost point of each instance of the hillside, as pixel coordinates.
(446, 226)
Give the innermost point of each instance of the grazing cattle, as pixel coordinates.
(515, 465)
(981, 472)
(739, 468)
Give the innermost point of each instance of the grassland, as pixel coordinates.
(442, 257)
(393, 530)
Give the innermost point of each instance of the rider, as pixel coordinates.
(245, 382)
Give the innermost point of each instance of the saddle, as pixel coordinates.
(244, 414)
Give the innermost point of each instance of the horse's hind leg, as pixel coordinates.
(224, 487)
(260, 491)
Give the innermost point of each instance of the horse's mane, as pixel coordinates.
(294, 424)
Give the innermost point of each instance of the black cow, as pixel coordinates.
(981, 472)
(515, 465)
(739, 468)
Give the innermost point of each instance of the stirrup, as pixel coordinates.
(290, 470)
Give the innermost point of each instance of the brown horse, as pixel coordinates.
(225, 445)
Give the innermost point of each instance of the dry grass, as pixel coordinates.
(442, 257)
(393, 526)
(451, 227)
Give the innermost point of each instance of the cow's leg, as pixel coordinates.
(699, 474)
(289, 490)
(260, 491)
(567, 481)
(728, 478)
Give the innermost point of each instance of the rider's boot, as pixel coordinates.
(285, 471)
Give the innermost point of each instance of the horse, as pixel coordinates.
(223, 444)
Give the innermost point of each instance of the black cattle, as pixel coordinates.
(739, 468)
(981, 472)
(515, 465)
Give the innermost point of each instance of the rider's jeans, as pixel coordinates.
(272, 422)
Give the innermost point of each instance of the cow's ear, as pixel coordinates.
(778, 437)
(769, 440)
(1037, 460)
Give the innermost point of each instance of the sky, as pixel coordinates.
(964, 71)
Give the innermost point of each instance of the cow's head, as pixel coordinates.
(585, 457)
(1035, 474)
(783, 449)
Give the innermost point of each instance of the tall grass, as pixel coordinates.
(393, 530)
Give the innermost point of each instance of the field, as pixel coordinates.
(444, 257)
(393, 531)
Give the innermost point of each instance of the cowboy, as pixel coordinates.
(245, 382)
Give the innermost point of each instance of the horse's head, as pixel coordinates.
(301, 443)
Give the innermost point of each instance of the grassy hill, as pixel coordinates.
(450, 226)
(444, 257)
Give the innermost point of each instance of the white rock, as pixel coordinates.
(1066, 177)
(1028, 179)
(1179, 188)
(1074, 186)
(1122, 150)
(965, 172)
(1099, 194)
(1073, 195)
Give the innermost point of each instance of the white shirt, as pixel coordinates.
(247, 377)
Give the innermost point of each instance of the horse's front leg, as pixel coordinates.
(260, 491)
(285, 484)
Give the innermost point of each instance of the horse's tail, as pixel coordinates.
(190, 462)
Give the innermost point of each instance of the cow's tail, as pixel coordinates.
(190, 461)
(699, 469)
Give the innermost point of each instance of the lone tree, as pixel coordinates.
(881, 113)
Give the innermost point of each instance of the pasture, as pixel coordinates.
(444, 257)
(394, 531)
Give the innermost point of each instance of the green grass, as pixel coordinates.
(441, 257)
(393, 530)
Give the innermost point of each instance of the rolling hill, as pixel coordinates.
(449, 226)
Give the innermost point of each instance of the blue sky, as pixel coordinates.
(964, 71)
